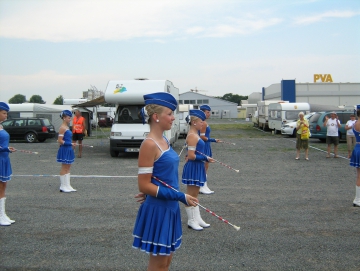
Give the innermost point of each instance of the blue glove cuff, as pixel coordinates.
(200, 157)
(212, 139)
(169, 194)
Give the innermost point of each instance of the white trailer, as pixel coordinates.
(283, 113)
(30, 110)
(263, 112)
(128, 131)
(183, 113)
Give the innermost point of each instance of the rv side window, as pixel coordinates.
(292, 115)
(128, 114)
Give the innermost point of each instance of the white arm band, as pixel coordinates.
(191, 148)
(202, 134)
(145, 170)
(61, 135)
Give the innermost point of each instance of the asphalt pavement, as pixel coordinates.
(293, 214)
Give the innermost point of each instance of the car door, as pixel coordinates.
(19, 128)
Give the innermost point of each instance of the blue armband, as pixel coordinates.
(5, 150)
(212, 139)
(200, 157)
(67, 144)
(169, 194)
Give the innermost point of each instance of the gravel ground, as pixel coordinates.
(294, 215)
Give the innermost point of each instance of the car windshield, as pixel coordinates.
(7, 123)
(128, 114)
(315, 117)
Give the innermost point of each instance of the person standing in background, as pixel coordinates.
(355, 157)
(205, 136)
(5, 166)
(78, 129)
(332, 135)
(350, 137)
(302, 143)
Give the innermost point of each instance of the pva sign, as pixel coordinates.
(324, 78)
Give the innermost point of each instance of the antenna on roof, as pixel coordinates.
(197, 90)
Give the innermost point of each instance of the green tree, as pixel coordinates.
(17, 99)
(235, 98)
(59, 100)
(37, 99)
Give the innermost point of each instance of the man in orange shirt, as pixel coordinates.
(78, 129)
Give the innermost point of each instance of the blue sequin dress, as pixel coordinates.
(194, 171)
(65, 153)
(207, 149)
(157, 227)
(355, 156)
(5, 166)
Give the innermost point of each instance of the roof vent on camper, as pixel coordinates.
(141, 79)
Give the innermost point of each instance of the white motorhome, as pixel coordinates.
(263, 113)
(128, 131)
(283, 113)
(183, 113)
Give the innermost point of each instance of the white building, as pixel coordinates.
(219, 108)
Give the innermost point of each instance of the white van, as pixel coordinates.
(282, 113)
(183, 113)
(128, 131)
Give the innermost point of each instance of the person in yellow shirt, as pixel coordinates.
(302, 143)
(78, 129)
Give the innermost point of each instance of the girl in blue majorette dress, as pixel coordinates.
(205, 135)
(194, 175)
(5, 166)
(355, 157)
(157, 229)
(65, 154)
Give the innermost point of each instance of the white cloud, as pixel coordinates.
(324, 16)
(80, 20)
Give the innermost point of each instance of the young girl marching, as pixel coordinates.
(194, 175)
(65, 154)
(205, 135)
(157, 229)
(5, 166)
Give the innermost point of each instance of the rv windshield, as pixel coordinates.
(128, 114)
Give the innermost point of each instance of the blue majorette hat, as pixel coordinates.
(4, 106)
(205, 107)
(161, 98)
(197, 113)
(358, 107)
(66, 113)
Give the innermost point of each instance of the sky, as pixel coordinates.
(64, 47)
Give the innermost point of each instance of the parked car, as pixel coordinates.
(290, 128)
(317, 128)
(29, 129)
(105, 121)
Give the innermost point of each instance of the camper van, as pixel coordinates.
(263, 112)
(183, 113)
(283, 113)
(128, 131)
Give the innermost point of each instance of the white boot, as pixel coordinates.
(198, 218)
(3, 218)
(206, 190)
(63, 187)
(192, 223)
(356, 201)
(69, 187)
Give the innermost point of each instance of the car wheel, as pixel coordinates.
(294, 133)
(30, 137)
(42, 139)
(322, 139)
(114, 153)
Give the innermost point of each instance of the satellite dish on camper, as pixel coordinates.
(197, 90)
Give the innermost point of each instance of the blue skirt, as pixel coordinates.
(157, 227)
(5, 167)
(65, 155)
(355, 157)
(194, 173)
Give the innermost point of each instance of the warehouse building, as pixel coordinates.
(325, 93)
(219, 108)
